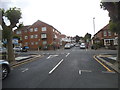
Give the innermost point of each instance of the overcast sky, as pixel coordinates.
(70, 17)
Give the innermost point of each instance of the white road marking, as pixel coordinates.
(67, 54)
(48, 57)
(51, 56)
(86, 70)
(25, 70)
(80, 72)
(56, 66)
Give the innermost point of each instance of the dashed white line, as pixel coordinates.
(56, 66)
(25, 70)
(67, 54)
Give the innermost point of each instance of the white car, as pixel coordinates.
(67, 46)
(17, 49)
(82, 46)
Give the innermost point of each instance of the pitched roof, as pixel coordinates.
(39, 22)
(104, 28)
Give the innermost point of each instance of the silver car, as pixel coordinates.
(5, 68)
(82, 46)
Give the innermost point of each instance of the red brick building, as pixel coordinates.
(105, 37)
(39, 34)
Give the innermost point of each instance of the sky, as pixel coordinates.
(70, 17)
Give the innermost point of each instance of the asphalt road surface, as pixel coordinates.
(72, 68)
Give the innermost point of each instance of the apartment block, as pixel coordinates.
(39, 34)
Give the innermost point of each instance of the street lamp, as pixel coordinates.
(94, 24)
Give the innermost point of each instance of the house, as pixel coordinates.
(105, 37)
(39, 34)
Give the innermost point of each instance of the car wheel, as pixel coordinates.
(5, 71)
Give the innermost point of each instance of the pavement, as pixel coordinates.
(109, 60)
(23, 59)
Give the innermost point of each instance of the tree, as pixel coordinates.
(87, 37)
(77, 38)
(114, 13)
(13, 15)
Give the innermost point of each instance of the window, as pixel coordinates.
(44, 29)
(36, 36)
(105, 33)
(53, 30)
(25, 30)
(55, 36)
(36, 43)
(26, 37)
(32, 43)
(31, 29)
(44, 42)
(31, 36)
(35, 29)
(43, 36)
(26, 43)
(109, 33)
(18, 32)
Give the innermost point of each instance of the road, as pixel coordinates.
(72, 68)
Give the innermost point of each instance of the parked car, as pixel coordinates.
(67, 46)
(82, 46)
(25, 49)
(17, 49)
(3, 50)
(5, 68)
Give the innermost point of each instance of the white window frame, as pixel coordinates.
(44, 35)
(26, 43)
(35, 29)
(44, 29)
(36, 43)
(109, 33)
(31, 29)
(35, 36)
(32, 43)
(105, 33)
(26, 37)
(44, 42)
(31, 36)
(18, 32)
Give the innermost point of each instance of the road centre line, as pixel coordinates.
(56, 66)
(67, 54)
(102, 64)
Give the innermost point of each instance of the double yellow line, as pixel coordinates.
(102, 64)
(24, 62)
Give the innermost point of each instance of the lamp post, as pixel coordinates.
(94, 24)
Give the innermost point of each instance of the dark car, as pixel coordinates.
(5, 68)
(25, 49)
